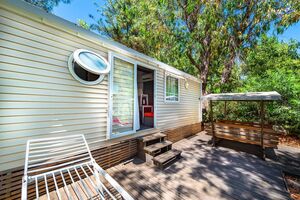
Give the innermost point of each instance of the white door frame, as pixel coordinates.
(154, 89)
(111, 56)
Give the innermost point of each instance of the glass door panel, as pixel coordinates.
(123, 97)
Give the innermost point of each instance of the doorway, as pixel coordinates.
(145, 85)
(132, 97)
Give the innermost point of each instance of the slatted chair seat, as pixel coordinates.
(63, 168)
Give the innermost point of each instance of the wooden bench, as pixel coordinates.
(246, 133)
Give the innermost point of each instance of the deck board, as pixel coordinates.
(204, 172)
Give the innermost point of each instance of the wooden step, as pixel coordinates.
(167, 157)
(152, 149)
(155, 136)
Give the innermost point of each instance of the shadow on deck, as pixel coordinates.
(203, 172)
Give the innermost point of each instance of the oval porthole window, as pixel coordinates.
(88, 67)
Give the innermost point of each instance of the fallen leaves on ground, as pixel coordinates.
(293, 184)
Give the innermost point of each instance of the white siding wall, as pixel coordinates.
(171, 115)
(39, 97)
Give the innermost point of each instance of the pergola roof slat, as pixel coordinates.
(248, 96)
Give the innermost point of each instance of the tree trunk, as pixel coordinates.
(228, 69)
(203, 76)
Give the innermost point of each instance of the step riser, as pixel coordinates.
(157, 146)
(148, 143)
(168, 161)
(162, 150)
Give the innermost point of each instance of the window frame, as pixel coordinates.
(74, 58)
(165, 88)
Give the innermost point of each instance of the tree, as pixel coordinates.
(135, 24)
(275, 66)
(247, 20)
(269, 66)
(47, 5)
(203, 37)
(182, 34)
(196, 28)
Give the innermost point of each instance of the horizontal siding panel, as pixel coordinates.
(45, 31)
(49, 124)
(6, 26)
(17, 26)
(53, 131)
(46, 105)
(45, 118)
(14, 149)
(34, 84)
(50, 99)
(184, 112)
(43, 53)
(42, 91)
(39, 96)
(34, 71)
(31, 43)
(180, 113)
(12, 73)
(29, 56)
(29, 112)
(20, 140)
(33, 64)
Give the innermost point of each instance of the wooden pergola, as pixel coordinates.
(244, 132)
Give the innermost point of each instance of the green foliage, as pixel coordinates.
(83, 24)
(270, 66)
(47, 5)
(275, 66)
(217, 40)
(198, 37)
(136, 24)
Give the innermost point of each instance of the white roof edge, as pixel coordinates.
(40, 15)
(248, 96)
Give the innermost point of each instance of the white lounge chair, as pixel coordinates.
(64, 167)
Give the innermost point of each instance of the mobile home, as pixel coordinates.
(57, 79)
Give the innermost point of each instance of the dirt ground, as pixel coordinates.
(293, 184)
(288, 140)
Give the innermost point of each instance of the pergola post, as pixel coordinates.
(262, 114)
(212, 123)
(225, 109)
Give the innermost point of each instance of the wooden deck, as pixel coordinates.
(204, 172)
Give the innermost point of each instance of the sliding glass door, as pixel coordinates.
(123, 91)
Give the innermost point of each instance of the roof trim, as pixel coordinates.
(39, 15)
(248, 96)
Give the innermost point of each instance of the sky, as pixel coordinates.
(80, 9)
